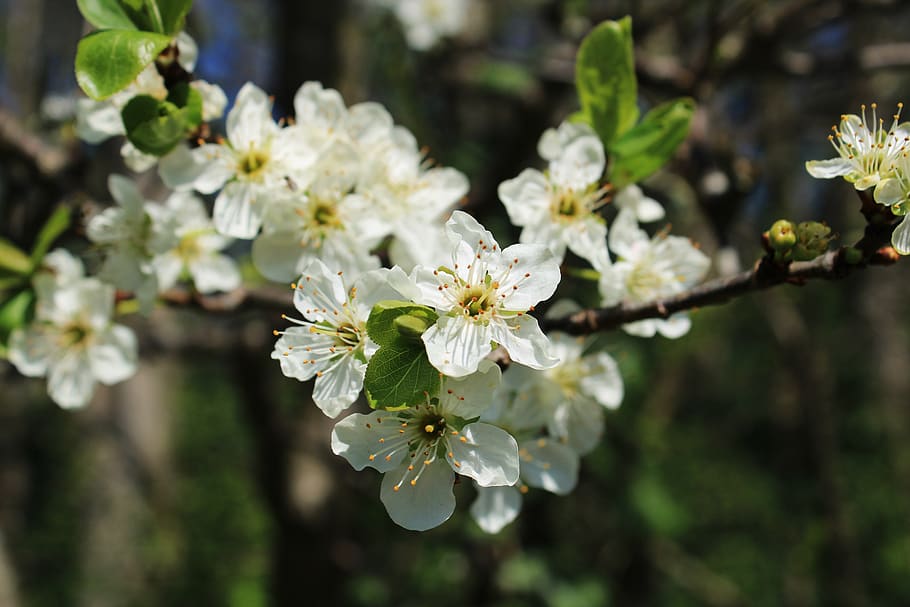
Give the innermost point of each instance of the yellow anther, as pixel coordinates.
(429, 428)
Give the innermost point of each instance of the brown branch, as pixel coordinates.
(874, 249)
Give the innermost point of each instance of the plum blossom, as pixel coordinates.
(251, 165)
(72, 340)
(545, 462)
(197, 252)
(132, 234)
(648, 269)
(558, 208)
(865, 150)
(484, 297)
(331, 341)
(420, 449)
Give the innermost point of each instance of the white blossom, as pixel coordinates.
(251, 165)
(559, 208)
(426, 21)
(132, 234)
(645, 208)
(197, 251)
(73, 342)
(649, 269)
(865, 151)
(421, 448)
(484, 297)
(331, 341)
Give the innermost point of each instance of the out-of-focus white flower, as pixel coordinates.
(649, 269)
(328, 222)
(865, 151)
(558, 208)
(421, 448)
(484, 297)
(250, 167)
(426, 21)
(331, 341)
(73, 342)
(197, 252)
(546, 463)
(132, 233)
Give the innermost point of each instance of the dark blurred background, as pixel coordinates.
(763, 460)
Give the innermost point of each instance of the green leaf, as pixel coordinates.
(108, 61)
(16, 312)
(605, 79)
(399, 375)
(651, 143)
(14, 259)
(173, 13)
(385, 325)
(154, 126)
(55, 225)
(106, 14)
(10, 280)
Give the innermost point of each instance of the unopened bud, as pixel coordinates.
(411, 326)
(813, 239)
(782, 236)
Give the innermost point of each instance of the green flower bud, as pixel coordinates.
(782, 236)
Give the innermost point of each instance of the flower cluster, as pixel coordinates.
(330, 185)
(324, 196)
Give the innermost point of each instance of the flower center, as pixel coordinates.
(188, 248)
(73, 336)
(252, 163)
(567, 204)
(347, 335)
(432, 426)
(644, 282)
(477, 300)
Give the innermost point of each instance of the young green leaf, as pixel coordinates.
(55, 225)
(651, 143)
(605, 79)
(399, 374)
(16, 312)
(108, 61)
(106, 14)
(155, 127)
(173, 13)
(13, 259)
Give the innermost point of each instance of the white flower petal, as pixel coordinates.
(580, 164)
(30, 350)
(424, 505)
(237, 211)
(675, 327)
(113, 354)
(579, 422)
(526, 197)
(70, 382)
(370, 440)
(828, 169)
(549, 465)
(602, 380)
(338, 386)
(457, 344)
(215, 272)
(525, 342)
(468, 397)
(900, 238)
(278, 255)
(496, 507)
(532, 269)
(486, 453)
(889, 192)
